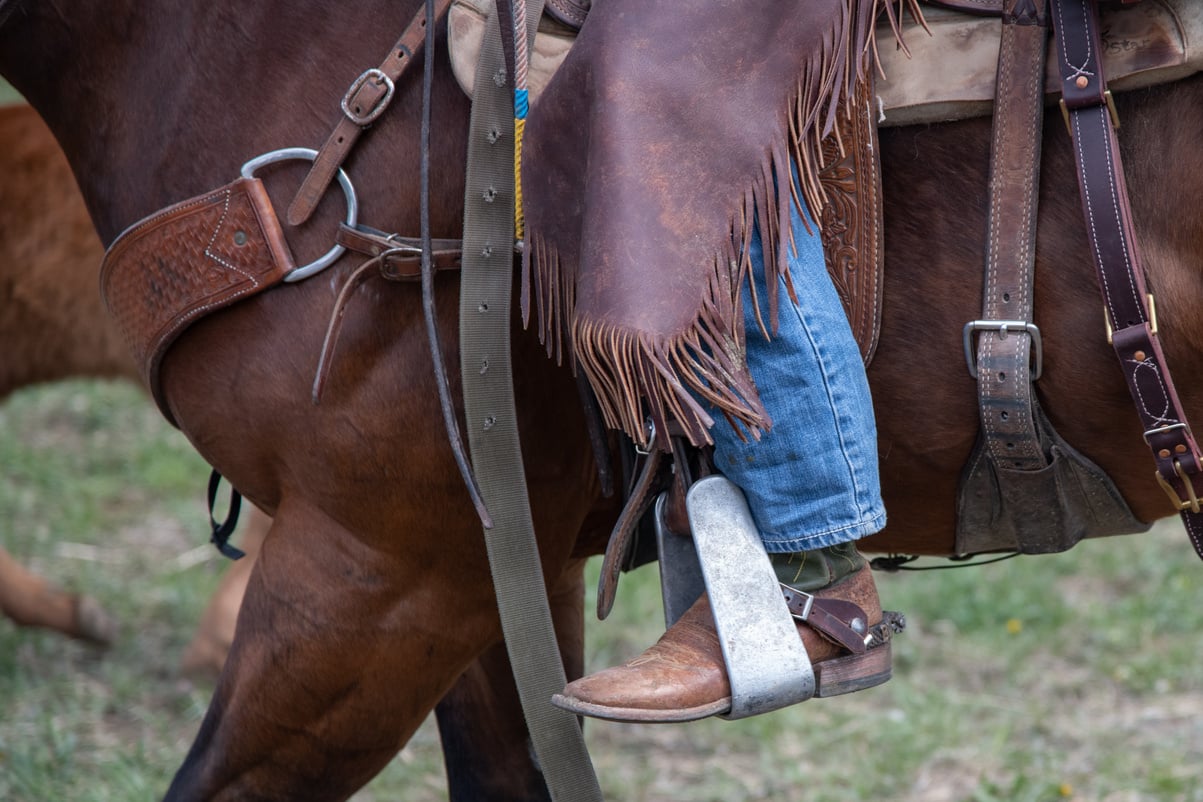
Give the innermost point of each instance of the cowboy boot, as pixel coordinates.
(683, 676)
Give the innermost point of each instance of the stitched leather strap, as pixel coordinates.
(366, 99)
(1005, 334)
(1121, 277)
(831, 618)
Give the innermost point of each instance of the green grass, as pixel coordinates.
(1064, 677)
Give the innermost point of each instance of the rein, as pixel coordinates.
(1130, 310)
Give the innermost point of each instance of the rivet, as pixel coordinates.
(240, 238)
(1180, 448)
(1164, 453)
(1139, 356)
(1082, 82)
(857, 625)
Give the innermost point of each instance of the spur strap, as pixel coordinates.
(366, 99)
(1090, 116)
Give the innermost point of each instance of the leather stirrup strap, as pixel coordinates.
(366, 99)
(485, 316)
(1090, 116)
(1005, 332)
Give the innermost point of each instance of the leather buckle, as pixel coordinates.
(1110, 101)
(1003, 327)
(799, 602)
(1192, 501)
(1152, 320)
(367, 118)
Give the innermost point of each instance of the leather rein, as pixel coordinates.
(1131, 317)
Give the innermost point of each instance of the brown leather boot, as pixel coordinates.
(683, 676)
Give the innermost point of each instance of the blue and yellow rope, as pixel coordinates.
(521, 107)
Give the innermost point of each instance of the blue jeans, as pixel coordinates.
(811, 481)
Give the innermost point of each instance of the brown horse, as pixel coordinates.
(55, 327)
(372, 595)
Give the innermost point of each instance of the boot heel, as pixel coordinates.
(853, 673)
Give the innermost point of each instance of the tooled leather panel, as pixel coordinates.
(186, 261)
(852, 216)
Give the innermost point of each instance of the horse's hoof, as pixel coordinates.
(93, 624)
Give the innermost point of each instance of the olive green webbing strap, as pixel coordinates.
(486, 285)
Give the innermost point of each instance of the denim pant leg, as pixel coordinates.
(812, 480)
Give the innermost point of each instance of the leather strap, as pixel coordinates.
(402, 255)
(622, 536)
(366, 99)
(1129, 309)
(1005, 333)
(570, 12)
(831, 618)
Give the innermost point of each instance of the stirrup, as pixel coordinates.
(766, 661)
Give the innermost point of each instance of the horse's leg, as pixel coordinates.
(486, 745)
(206, 654)
(30, 601)
(342, 650)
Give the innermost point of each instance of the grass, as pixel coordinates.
(1068, 677)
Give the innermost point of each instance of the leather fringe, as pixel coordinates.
(638, 378)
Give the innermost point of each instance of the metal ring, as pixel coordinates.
(286, 154)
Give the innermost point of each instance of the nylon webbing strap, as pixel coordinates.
(485, 292)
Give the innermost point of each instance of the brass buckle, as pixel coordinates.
(1152, 319)
(1192, 503)
(1110, 101)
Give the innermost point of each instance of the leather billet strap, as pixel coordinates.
(1129, 308)
(186, 261)
(1005, 334)
(366, 99)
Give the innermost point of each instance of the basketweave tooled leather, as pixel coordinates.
(852, 215)
(187, 261)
